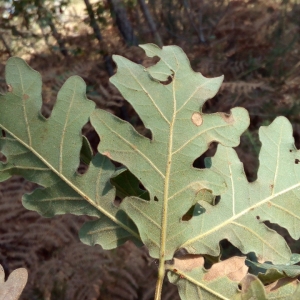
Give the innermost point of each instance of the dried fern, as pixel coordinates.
(60, 267)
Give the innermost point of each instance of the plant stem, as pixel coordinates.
(160, 279)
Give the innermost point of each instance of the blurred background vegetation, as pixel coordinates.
(254, 43)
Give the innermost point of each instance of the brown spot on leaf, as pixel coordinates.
(297, 161)
(9, 88)
(188, 262)
(234, 268)
(197, 119)
(25, 97)
(228, 118)
(106, 153)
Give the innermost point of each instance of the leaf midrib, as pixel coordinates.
(164, 217)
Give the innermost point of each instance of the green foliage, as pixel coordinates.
(166, 203)
(50, 149)
(180, 133)
(269, 273)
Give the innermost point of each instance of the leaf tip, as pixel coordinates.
(150, 49)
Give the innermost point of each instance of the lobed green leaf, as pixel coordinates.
(47, 151)
(181, 132)
(243, 208)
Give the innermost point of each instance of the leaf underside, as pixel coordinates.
(239, 217)
(274, 196)
(181, 132)
(226, 280)
(219, 282)
(167, 204)
(47, 151)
